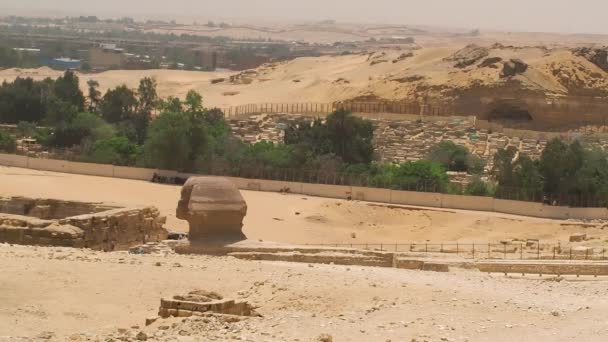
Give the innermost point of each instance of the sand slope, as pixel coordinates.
(391, 75)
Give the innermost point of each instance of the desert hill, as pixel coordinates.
(474, 80)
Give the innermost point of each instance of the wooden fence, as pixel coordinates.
(315, 108)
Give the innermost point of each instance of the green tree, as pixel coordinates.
(168, 145)
(527, 179)
(118, 104)
(194, 102)
(147, 96)
(7, 142)
(94, 95)
(26, 129)
(67, 89)
(351, 137)
(172, 104)
(456, 158)
(477, 187)
(83, 128)
(22, 100)
(117, 151)
(147, 103)
(342, 134)
(503, 167)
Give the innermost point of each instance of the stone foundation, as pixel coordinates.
(97, 226)
(198, 302)
(49, 209)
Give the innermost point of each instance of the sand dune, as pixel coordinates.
(427, 73)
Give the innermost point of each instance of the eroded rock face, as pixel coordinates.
(597, 56)
(467, 56)
(214, 208)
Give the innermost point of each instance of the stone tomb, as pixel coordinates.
(48, 222)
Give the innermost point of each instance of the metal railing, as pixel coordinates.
(530, 250)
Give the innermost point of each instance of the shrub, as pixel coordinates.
(7, 142)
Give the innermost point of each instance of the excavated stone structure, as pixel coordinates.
(49, 222)
(214, 208)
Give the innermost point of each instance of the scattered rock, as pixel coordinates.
(325, 338)
(141, 336)
(467, 56)
(578, 237)
(409, 79)
(490, 62)
(403, 56)
(151, 320)
(513, 67)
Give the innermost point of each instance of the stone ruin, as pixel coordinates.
(199, 302)
(49, 222)
(214, 209)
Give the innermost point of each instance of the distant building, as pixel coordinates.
(63, 63)
(209, 58)
(107, 56)
(32, 51)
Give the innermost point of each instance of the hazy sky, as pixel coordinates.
(580, 16)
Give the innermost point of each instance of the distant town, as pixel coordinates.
(91, 44)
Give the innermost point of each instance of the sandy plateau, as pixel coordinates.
(82, 295)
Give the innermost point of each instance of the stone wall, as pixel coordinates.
(49, 223)
(119, 229)
(23, 230)
(49, 209)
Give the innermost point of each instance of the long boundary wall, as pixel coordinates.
(423, 199)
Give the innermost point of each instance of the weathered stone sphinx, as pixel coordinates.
(214, 208)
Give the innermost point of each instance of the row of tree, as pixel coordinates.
(136, 127)
(572, 173)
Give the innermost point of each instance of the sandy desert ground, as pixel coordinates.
(301, 219)
(79, 295)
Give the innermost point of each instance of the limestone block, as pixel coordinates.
(578, 237)
(435, 267)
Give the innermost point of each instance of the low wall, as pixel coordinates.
(331, 191)
(103, 170)
(422, 199)
(371, 194)
(518, 208)
(592, 269)
(133, 173)
(13, 160)
(467, 202)
(49, 165)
